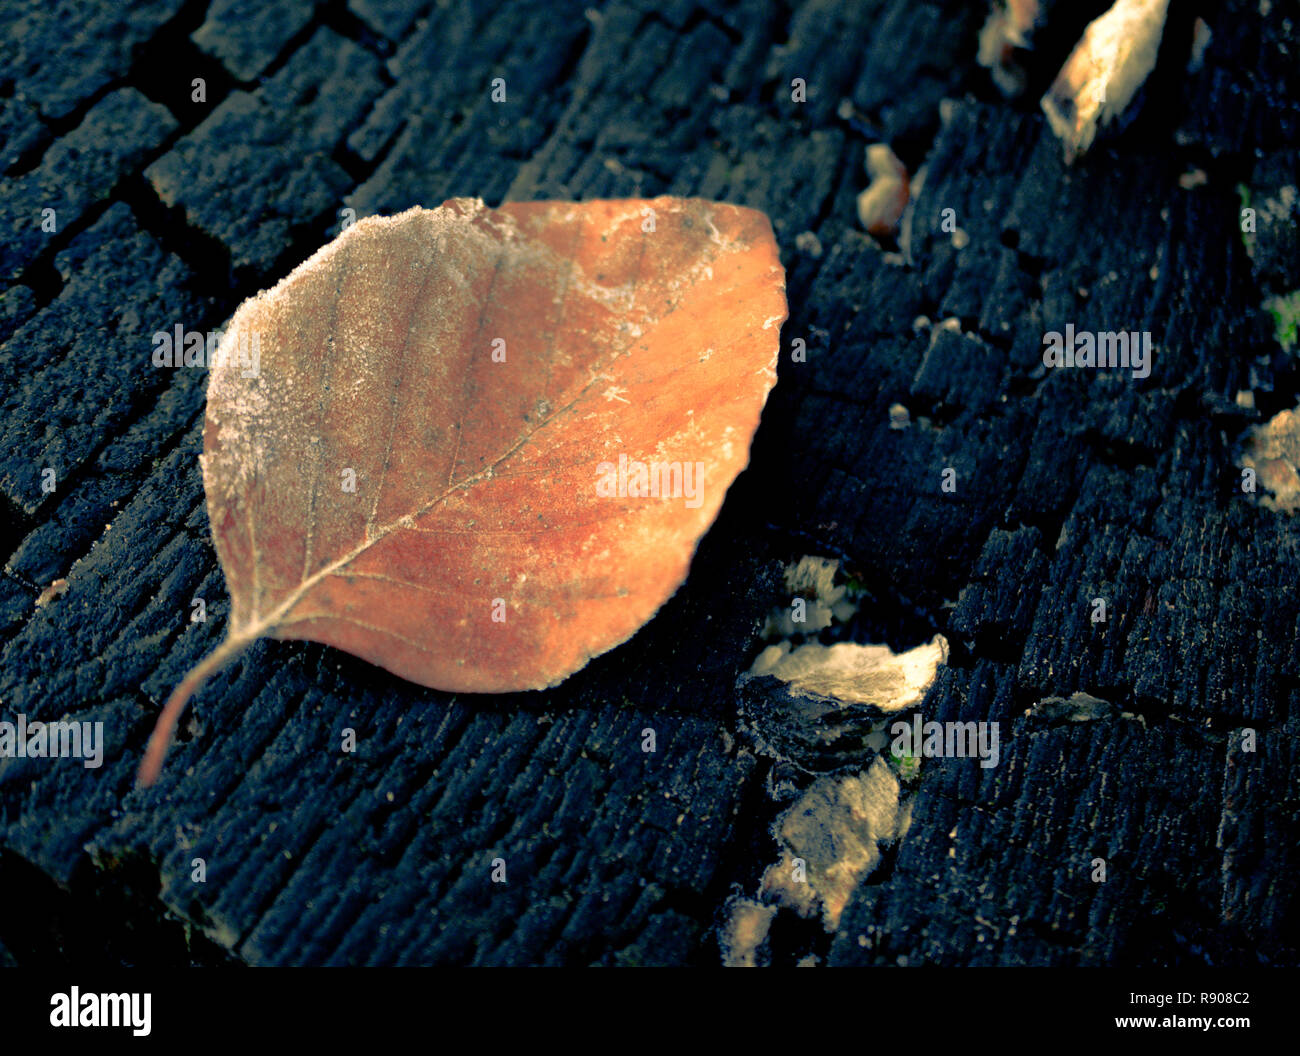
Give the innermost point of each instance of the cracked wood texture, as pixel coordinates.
(1071, 486)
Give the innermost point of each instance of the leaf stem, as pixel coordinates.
(165, 728)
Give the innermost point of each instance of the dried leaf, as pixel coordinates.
(500, 388)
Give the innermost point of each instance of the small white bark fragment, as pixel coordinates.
(54, 590)
(1109, 64)
(1010, 25)
(835, 828)
(881, 205)
(1273, 451)
(855, 674)
(745, 931)
(811, 579)
(1201, 37)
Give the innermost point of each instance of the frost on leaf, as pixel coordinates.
(485, 383)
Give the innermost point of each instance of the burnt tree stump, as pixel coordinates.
(200, 150)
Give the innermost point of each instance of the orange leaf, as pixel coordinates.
(426, 446)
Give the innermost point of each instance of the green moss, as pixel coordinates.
(907, 764)
(1285, 311)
